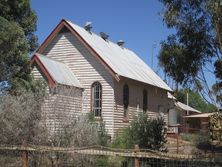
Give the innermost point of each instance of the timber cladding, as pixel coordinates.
(66, 48)
(156, 97)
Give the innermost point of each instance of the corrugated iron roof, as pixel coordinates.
(60, 72)
(186, 107)
(123, 62)
(170, 96)
(204, 115)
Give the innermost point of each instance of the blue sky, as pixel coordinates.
(138, 23)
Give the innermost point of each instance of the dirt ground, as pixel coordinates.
(184, 147)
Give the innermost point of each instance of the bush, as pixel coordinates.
(147, 133)
(81, 132)
(20, 118)
(191, 137)
(203, 141)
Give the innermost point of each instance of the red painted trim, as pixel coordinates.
(51, 81)
(80, 38)
(50, 37)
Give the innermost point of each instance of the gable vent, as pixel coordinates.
(88, 26)
(120, 43)
(104, 36)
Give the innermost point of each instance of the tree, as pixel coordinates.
(17, 40)
(197, 43)
(13, 52)
(21, 13)
(195, 100)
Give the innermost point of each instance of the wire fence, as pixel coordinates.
(98, 156)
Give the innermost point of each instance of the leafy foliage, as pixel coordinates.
(217, 89)
(147, 133)
(81, 132)
(216, 11)
(17, 40)
(202, 141)
(197, 42)
(195, 100)
(20, 12)
(13, 52)
(193, 38)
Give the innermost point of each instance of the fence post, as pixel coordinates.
(136, 159)
(24, 158)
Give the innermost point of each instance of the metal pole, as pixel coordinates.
(187, 103)
(153, 46)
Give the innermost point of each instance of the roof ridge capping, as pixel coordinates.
(99, 35)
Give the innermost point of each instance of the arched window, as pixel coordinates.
(145, 98)
(96, 99)
(125, 99)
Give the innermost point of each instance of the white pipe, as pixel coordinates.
(187, 103)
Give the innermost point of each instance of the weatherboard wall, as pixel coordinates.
(157, 102)
(61, 106)
(66, 48)
(38, 75)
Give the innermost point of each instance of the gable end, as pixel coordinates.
(36, 62)
(60, 27)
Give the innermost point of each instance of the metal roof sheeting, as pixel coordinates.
(60, 72)
(186, 107)
(204, 115)
(123, 61)
(170, 96)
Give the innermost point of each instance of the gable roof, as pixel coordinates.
(120, 61)
(58, 71)
(186, 107)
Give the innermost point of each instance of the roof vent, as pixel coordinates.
(88, 26)
(120, 43)
(104, 35)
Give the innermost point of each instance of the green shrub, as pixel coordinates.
(203, 141)
(191, 137)
(147, 133)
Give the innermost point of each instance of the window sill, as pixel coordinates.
(126, 120)
(98, 119)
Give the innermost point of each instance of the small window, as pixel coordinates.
(125, 99)
(145, 100)
(96, 99)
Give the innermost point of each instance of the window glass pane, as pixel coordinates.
(145, 98)
(125, 99)
(96, 98)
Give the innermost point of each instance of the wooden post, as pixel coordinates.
(25, 159)
(177, 143)
(136, 159)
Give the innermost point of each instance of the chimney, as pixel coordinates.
(88, 26)
(104, 36)
(120, 43)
